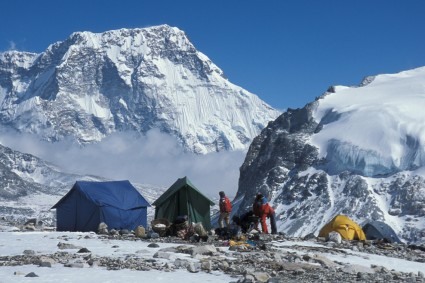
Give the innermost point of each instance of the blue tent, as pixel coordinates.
(378, 230)
(87, 204)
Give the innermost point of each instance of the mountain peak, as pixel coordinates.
(94, 84)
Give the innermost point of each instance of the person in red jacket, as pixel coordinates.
(266, 211)
(225, 210)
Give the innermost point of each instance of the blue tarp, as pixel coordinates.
(87, 204)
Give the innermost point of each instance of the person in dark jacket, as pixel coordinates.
(246, 221)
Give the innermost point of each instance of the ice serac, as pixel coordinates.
(94, 84)
(357, 151)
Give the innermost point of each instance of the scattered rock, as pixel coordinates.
(204, 250)
(45, 264)
(309, 237)
(223, 265)
(66, 246)
(160, 254)
(181, 263)
(140, 232)
(74, 265)
(248, 279)
(169, 250)
(334, 237)
(29, 252)
(355, 269)
(47, 259)
(83, 250)
(32, 221)
(29, 227)
(124, 232)
(192, 267)
(264, 261)
(31, 274)
(102, 229)
(261, 276)
(153, 235)
(206, 265)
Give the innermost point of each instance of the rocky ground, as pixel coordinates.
(255, 258)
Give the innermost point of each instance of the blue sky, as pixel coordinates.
(286, 52)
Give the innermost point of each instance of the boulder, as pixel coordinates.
(204, 250)
(102, 229)
(163, 255)
(334, 237)
(140, 232)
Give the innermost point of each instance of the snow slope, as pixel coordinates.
(379, 127)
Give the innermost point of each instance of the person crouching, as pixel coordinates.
(266, 211)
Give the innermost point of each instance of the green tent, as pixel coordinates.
(183, 198)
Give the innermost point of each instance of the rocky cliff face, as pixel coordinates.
(29, 185)
(91, 85)
(24, 174)
(311, 170)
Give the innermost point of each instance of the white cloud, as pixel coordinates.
(155, 159)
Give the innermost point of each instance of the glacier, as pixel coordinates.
(379, 129)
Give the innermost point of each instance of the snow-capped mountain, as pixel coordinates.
(358, 151)
(94, 84)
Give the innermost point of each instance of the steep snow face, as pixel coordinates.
(375, 129)
(356, 151)
(91, 85)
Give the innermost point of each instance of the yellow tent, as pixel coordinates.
(347, 228)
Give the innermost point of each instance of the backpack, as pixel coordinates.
(227, 205)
